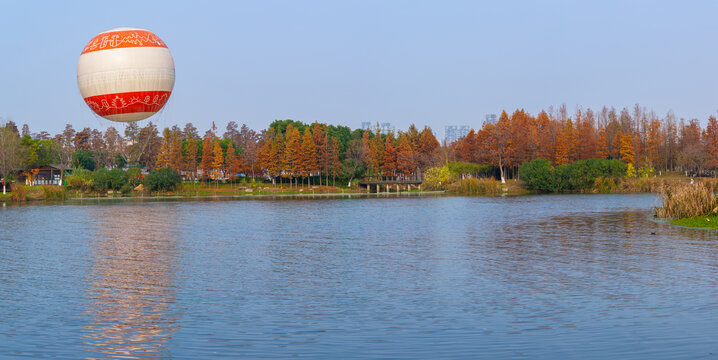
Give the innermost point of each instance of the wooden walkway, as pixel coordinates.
(391, 183)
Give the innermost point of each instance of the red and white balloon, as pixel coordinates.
(126, 74)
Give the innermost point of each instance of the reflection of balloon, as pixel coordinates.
(126, 74)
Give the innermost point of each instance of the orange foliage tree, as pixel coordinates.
(389, 167)
(711, 143)
(405, 163)
(207, 157)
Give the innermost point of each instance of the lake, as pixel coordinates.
(553, 276)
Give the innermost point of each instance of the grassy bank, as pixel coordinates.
(702, 222)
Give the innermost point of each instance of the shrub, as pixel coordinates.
(437, 178)
(134, 176)
(114, 179)
(581, 175)
(537, 175)
(125, 189)
(162, 179)
(80, 179)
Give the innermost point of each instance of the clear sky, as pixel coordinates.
(430, 63)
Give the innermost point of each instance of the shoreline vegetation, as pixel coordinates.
(450, 185)
(607, 151)
(693, 205)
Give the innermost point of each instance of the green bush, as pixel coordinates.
(125, 189)
(80, 179)
(114, 179)
(583, 174)
(538, 175)
(162, 179)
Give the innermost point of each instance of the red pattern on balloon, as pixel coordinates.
(123, 39)
(127, 103)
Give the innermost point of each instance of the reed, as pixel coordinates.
(476, 186)
(687, 201)
(53, 192)
(18, 192)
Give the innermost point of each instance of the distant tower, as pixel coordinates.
(491, 118)
(450, 134)
(366, 125)
(463, 131)
(386, 128)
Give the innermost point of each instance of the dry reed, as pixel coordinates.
(18, 192)
(687, 200)
(476, 186)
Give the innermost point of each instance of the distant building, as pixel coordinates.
(453, 133)
(491, 118)
(43, 175)
(385, 126)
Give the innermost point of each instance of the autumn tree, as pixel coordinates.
(498, 144)
(163, 156)
(376, 152)
(653, 143)
(307, 157)
(691, 156)
(292, 152)
(207, 156)
(321, 147)
(389, 167)
(586, 146)
(601, 143)
(233, 162)
(217, 161)
(190, 158)
(427, 146)
(467, 148)
(405, 158)
(545, 138)
(711, 143)
(271, 154)
(626, 149)
(334, 165)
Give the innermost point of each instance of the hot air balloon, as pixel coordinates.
(126, 74)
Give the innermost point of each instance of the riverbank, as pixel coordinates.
(200, 191)
(463, 187)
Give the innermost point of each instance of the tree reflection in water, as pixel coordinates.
(130, 287)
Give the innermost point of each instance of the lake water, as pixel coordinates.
(572, 276)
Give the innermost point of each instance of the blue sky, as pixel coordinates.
(428, 63)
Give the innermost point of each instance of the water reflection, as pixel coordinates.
(130, 287)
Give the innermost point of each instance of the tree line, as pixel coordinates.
(297, 153)
(639, 138)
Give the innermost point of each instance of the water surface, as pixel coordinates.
(572, 276)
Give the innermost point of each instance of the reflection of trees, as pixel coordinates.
(130, 287)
